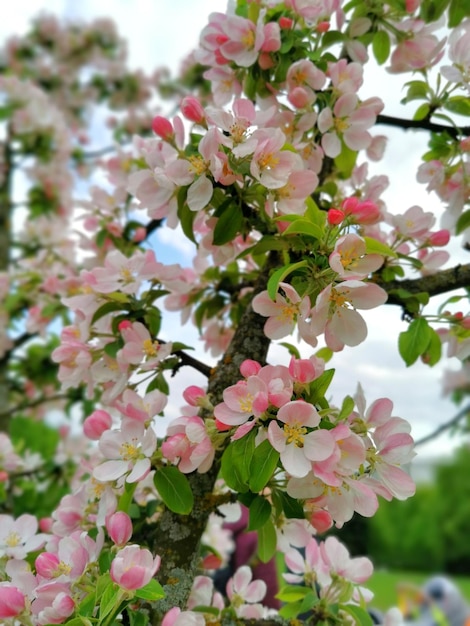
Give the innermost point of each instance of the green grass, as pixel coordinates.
(385, 584)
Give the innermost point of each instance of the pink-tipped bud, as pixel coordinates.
(47, 564)
(3, 476)
(411, 5)
(335, 217)
(193, 395)
(439, 238)
(322, 27)
(193, 110)
(249, 368)
(363, 212)
(12, 601)
(96, 423)
(302, 370)
(139, 235)
(321, 521)
(119, 527)
(162, 127)
(300, 97)
(286, 23)
(45, 524)
(124, 325)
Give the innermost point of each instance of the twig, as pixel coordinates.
(443, 427)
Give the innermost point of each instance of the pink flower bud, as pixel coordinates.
(193, 395)
(322, 27)
(302, 370)
(119, 527)
(363, 212)
(124, 325)
(3, 476)
(439, 238)
(133, 567)
(193, 110)
(45, 524)
(249, 368)
(47, 564)
(286, 23)
(96, 423)
(12, 601)
(162, 127)
(265, 61)
(139, 234)
(335, 217)
(300, 97)
(321, 521)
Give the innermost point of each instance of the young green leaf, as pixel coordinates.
(174, 490)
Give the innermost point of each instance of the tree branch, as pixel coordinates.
(435, 284)
(465, 412)
(425, 124)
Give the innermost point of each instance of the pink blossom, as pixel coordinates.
(345, 77)
(193, 110)
(188, 444)
(140, 348)
(53, 603)
(305, 370)
(283, 312)
(141, 408)
(349, 258)
(177, 617)
(12, 601)
(129, 449)
(336, 557)
(119, 527)
(304, 79)
(290, 199)
(414, 223)
(96, 423)
(278, 383)
(335, 312)
(18, 536)
(241, 589)
(271, 165)
(421, 51)
(133, 567)
(241, 401)
(298, 446)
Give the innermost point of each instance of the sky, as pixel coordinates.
(161, 34)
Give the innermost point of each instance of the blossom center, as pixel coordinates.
(198, 165)
(129, 451)
(341, 125)
(295, 433)
(268, 161)
(13, 539)
(150, 347)
(246, 403)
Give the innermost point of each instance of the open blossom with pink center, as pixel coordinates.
(139, 347)
(348, 120)
(224, 84)
(420, 51)
(299, 447)
(129, 449)
(142, 409)
(73, 555)
(335, 312)
(339, 563)
(121, 273)
(345, 77)
(18, 537)
(290, 199)
(133, 567)
(242, 590)
(414, 223)
(303, 80)
(304, 569)
(350, 260)
(283, 312)
(235, 124)
(432, 260)
(188, 444)
(270, 164)
(241, 401)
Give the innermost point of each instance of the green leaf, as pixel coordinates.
(29, 434)
(260, 513)
(231, 472)
(280, 274)
(152, 591)
(458, 10)
(422, 112)
(433, 352)
(228, 225)
(185, 215)
(137, 618)
(346, 160)
(292, 593)
(346, 408)
(109, 600)
(413, 342)
(458, 104)
(293, 350)
(304, 227)
(463, 222)
(263, 463)
(374, 246)
(243, 451)
(319, 386)
(417, 90)
(291, 507)
(174, 490)
(267, 541)
(360, 616)
(381, 46)
(431, 10)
